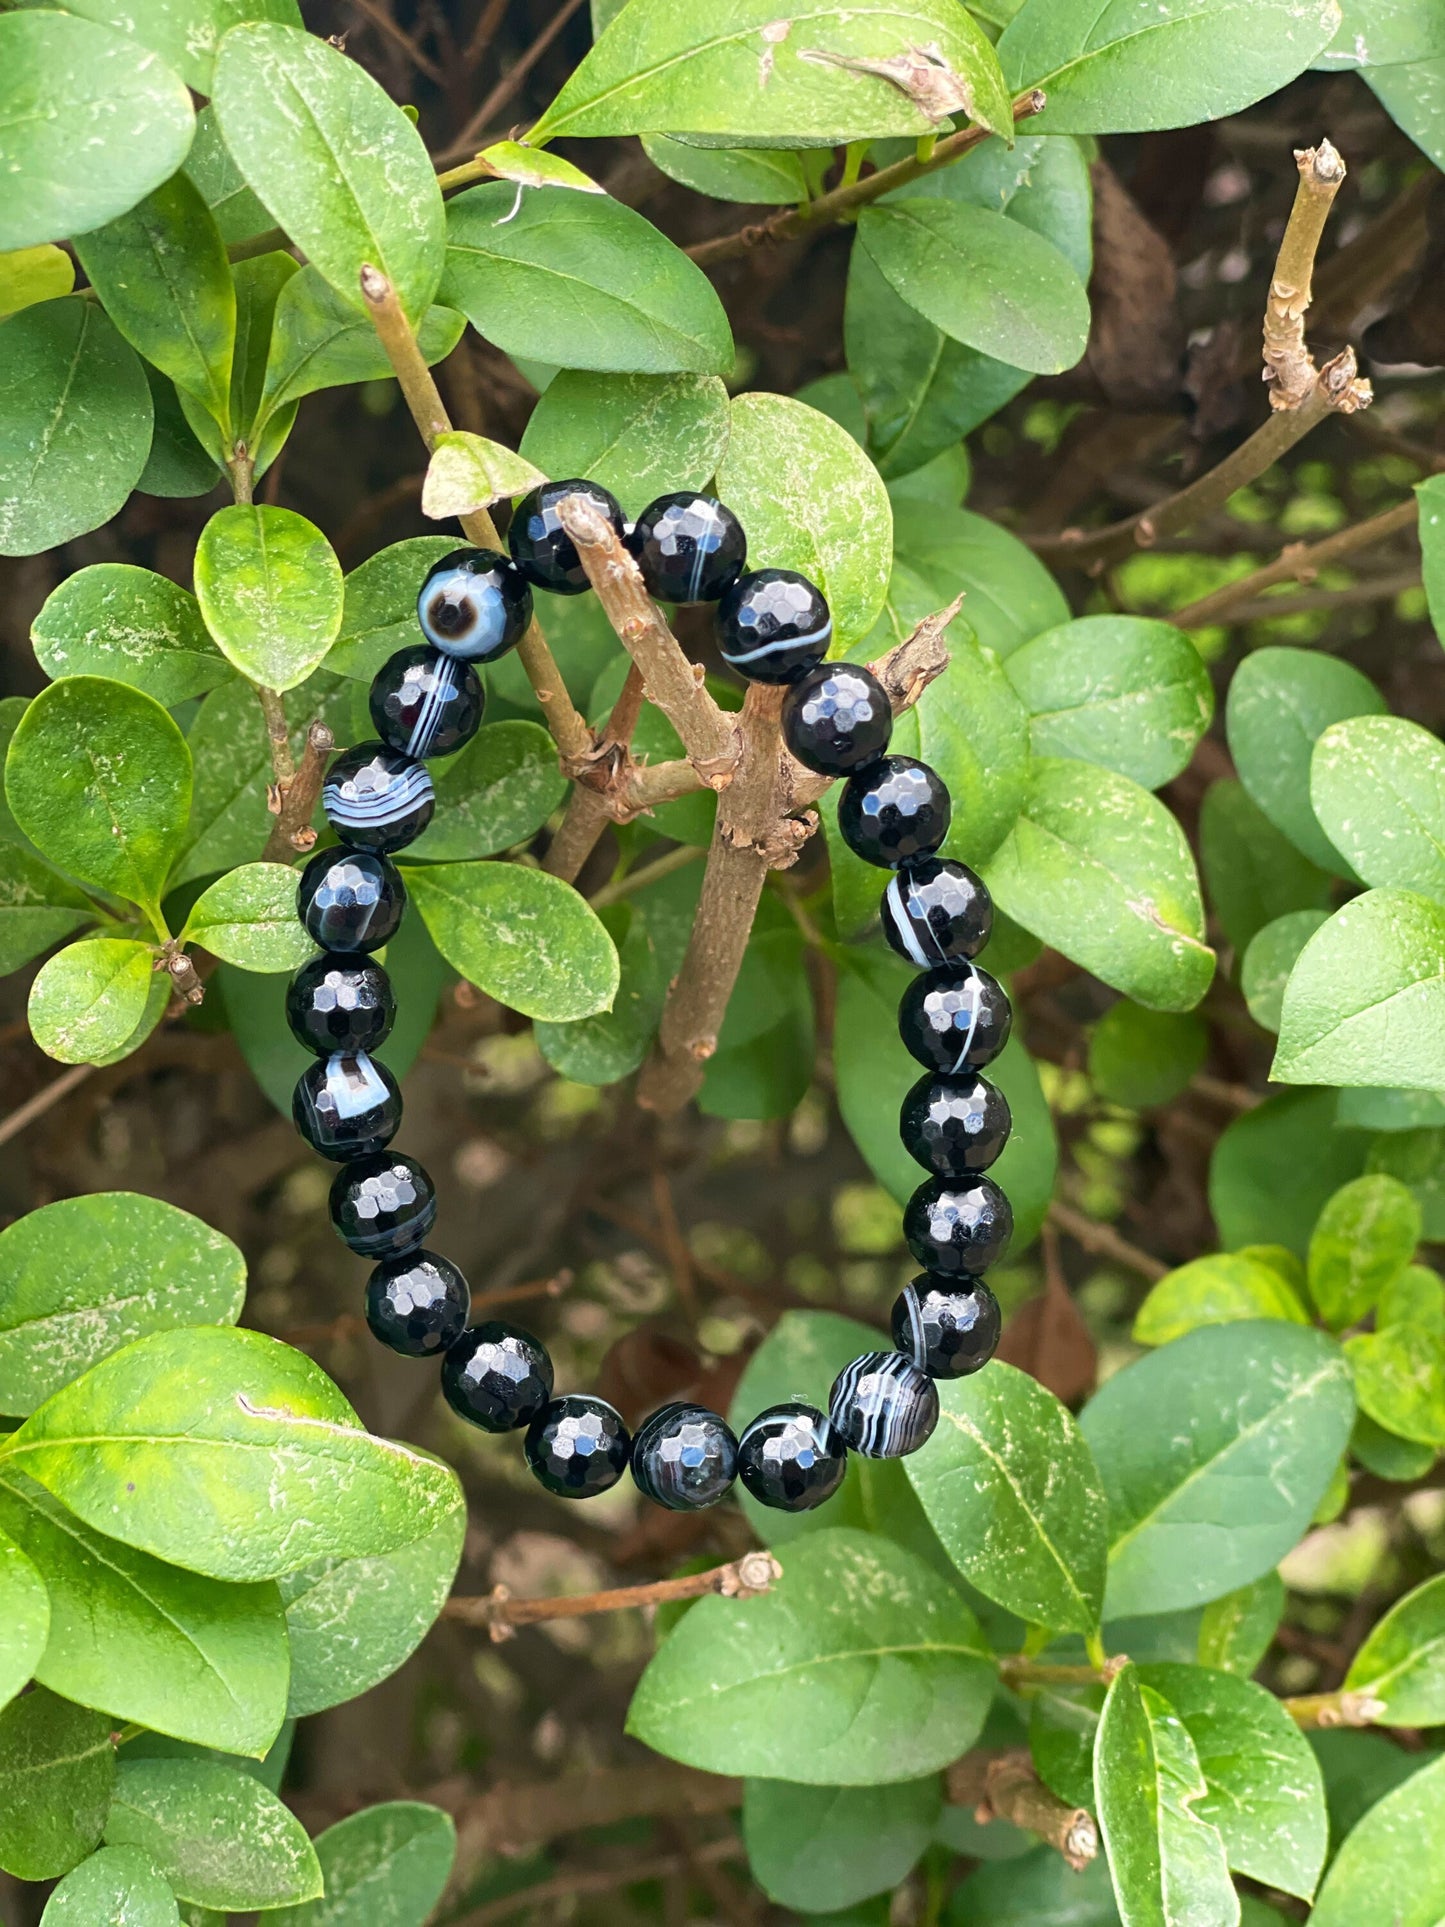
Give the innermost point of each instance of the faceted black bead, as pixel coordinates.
(383, 1204)
(542, 548)
(773, 626)
(936, 912)
(883, 1406)
(894, 811)
(958, 1229)
(417, 1304)
(949, 1327)
(837, 718)
(688, 547)
(337, 1003)
(684, 1457)
(790, 1458)
(350, 900)
(497, 1376)
(346, 1106)
(954, 1126)
(475, 604)
(425, 703)
(578, 1446)
(955, 1020)
(377, 798)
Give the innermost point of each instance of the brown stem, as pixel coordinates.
(242, 471)
(42, 1101)
(293, 798)
(601, 1880)
(1004, 1786)
(279, 734)
(1315, 1710)
(1375, 588)
(1289, 367)
(507, 86)
(755, 1572)
(1103, 1241)
(1299, 562)
(593, 802)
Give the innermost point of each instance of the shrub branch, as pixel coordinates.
(741, 1578)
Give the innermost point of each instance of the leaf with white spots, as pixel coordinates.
(270, 589)
(57, 1767)
(1385, 33)
(131, 625)
(216, 1835)
(24, 1618)
(639, 435)
(496, 792)
(38, 907)
(116, 1887)
(248, 917)
(96, 1001)
(467, 473)
(1377, 786)
(1402, 1663)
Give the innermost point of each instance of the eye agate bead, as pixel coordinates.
(378, 798)
(578, 1446)
(684, 1457)
(791, 1459)
(475, 604)
(883, 1406)
(948, 1327)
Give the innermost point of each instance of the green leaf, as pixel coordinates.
(1417, 1159)
(638, 435)
(185, 33)
(981, 279)
(1363, 1001)
(319, 339)
(534, 167)
(1221, 1289)
(859, 1667)
(337, 163)
(1011, 1490)
(1011, 595)
(84, 1276)
(251, 1434)
(218, 1836)
(581, 281)
(1252, 873)
(1389, 1457)
(1402, 1662)
(1280, 702)
(1167, 1862)
(467, 473)
(28, 275)
(496, 792)
(1365, 1237)
(1142, 1058)
(270, 589)
(1063, 1722)
(1429, 494)
(384, 1867)
(248, 917)
(178, 465)
(132, 626)
(117, 1887)
(1099, 868)
(1377, 784)
(1265, 1794)
(525, 938)
(1268, 962)
(162, 272)
(1275, 1166)
(378, 615)
(96, 1001)
(819, 1848)
(1413, 96)
(99, 778)
(1400, 1381)
(88, 124)
(144, 1641)
(1123, 70)
(24, 1618)
(1122, 691)
(75, 410)
(1385, 33)
(57, 1767)
(1214, 1452)
(1236, 1632)
(1040, 1890)
(754, 176)
(1395, 1853)
(239, 215)
(773, 75)
(37, 907)
(352, 1622)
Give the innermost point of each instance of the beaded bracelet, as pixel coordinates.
(773, 627)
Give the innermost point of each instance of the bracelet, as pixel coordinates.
(774, 627)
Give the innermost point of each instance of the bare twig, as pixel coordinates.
(1004, 1786)
(293, 801)
(507, 86)
(593, 802)
(650, 873)
(755, 1572)
(42, 1101)
(1316, 1710)
(601, 1880)
(1289, 367)
(1300, 562)
(1103, 1241)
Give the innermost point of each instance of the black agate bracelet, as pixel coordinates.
(773, 627)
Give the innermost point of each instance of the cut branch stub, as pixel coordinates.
(1289, 366)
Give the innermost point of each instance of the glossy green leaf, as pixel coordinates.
(338, 164)
(28, 275)
(1214, 1452)
(57, 1767)
(1252, 873)
(639, 435)
(185, 33)
(378, 615)
(270, 589)
(1120, 69)
(1063, 1721)
(1274, 1167)
(178, 465)
(117, 1887)
(1400, 1381)
(496, 792)
(535, 167)
(525, 938)
(218, 1836)
(582, 281)
(383, 1867)
(754, 176)
(467, 473)
(1377, 785)
(75, 411)
(1365, 1238)
(1269, 961)
(1388, 1456)
(88, 124)
(1430, 496)
(132, 626)
(1220, 1289)
(1401, 1840)
(1385, 33)
(251, 1433)
(38, 907)
(1010, 594)
(1099, 868)
(1402, 1662)
(24, 1617)
(239, 215)
(319, 339)
(792, 75)
(1413, 95)
(1039, 1890)
(1011, 1490)
(819, 1847)
(96, 1001)
(1236, 1632)
(1417, 1158)
(859, 1667)
(1141, 1058)
(248, 917)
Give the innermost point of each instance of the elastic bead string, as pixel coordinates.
(427, 701)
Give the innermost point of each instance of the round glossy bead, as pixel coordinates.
(894, 811)
(424, 703)
(936, 912)
(791, 1459)
(417, 1304)
(773, 626)
(955, 1020)
(497, 1376)
(578, 1446)
(350, 900)
(346, 1106)
(837, 718)
(337, 1003)
(542, 549)
(383, 1204)
(954, 1126)
(949, 1328)
(688, 547)
(958, 1229)
(378, 798)
(883, 1406)
(475, 604)
(684, 1457)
